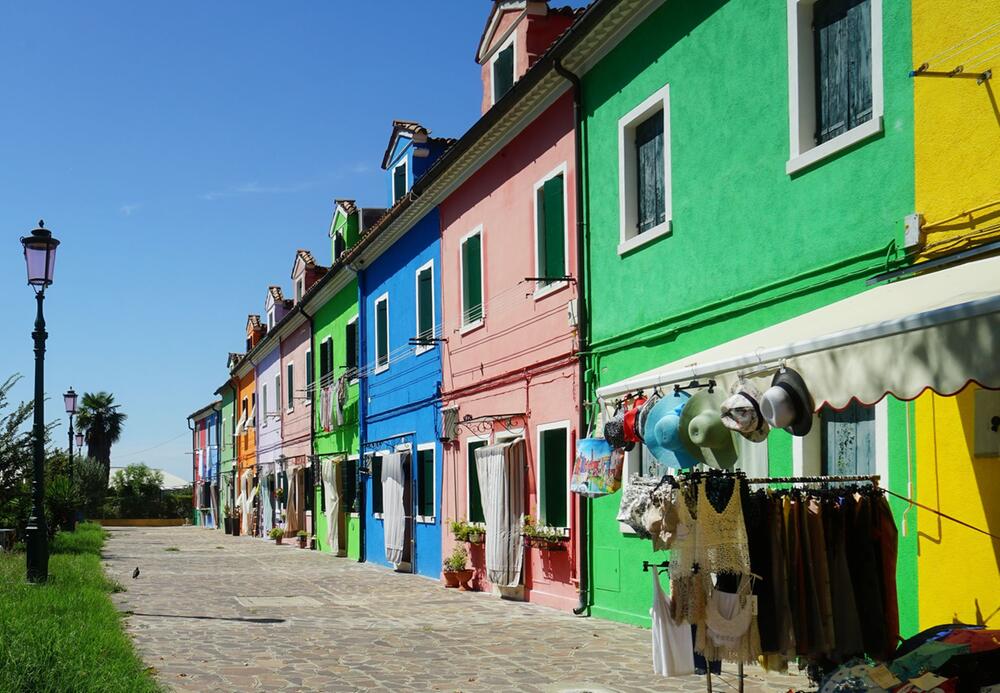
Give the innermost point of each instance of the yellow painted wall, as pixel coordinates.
(958, 568)
(957, 124)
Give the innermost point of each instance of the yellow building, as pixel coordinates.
(957, 159)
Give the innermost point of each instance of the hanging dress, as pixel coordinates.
(688, 598)
(673, 648)
(722, 545)
(730, 630)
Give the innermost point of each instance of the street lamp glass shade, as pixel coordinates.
(79, 440)
(40, 256)
(70, 399)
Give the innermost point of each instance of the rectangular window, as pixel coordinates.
(472, 279)
(848, 440)
(398, 182)
(325, 361)
(834, 77)
(376, 464)
(270, 319)
(349, 481)
(277, 394)
(503, 71)
(475, 499)
(382, 333)
(310, 372)
(290, 386)
(265, 400)
(339, 245)
(300, 290)
(550, 229)
(351, 339)
(644, 172)
(425, 305)
(425, 482)
(553, 463)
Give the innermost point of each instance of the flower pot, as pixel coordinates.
(451, 578)
(302, 542)
(228, 523)
(277, 540)
(236, 526)
(464, 576)
(476, 538)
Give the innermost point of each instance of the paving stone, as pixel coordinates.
(255, 616)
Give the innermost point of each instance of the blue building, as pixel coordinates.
(399, 294)
(204, 425)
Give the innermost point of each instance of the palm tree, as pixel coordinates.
(101, 422)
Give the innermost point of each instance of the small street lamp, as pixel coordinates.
(79, 441)
(69, 397)
(40, 259)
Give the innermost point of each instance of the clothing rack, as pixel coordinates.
(872, 478)
(695, 385)
(646, 565)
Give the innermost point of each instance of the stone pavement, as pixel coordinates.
(225, 613)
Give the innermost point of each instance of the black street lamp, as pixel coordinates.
(40, 258)
(69, 397)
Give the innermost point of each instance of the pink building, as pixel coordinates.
(510, 362)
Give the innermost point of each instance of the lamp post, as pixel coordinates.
(69, 398)
(40, 259)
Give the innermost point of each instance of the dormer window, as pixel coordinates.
(398, 181)
(502, 69)
(339, 245)
(300, 289)
(270, 319)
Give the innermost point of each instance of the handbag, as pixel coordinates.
(597, 469)
(642, 495)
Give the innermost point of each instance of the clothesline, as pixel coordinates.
(944, 515)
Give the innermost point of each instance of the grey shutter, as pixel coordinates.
(339, 246)
(830, 36)
(650, 190)
(848, 442)
(859, 32)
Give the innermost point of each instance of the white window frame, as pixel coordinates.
(565, 426)
(381, 454)
(357, 460)
(544, 290)
(300, 289)
(309, 360)
(429, 265)
(263, 396)
(628, 238)
(428, 519)
(466, 328)
(509, 41)
(357, 347)
(406, 183)
(278, 394)
(807, 451)
(290, 384)
(468, 481)
(803, 150)
(270, 319)
(388, 347)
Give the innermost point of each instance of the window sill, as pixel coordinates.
(422, 350)
(381, 369)
(646, 237)
(472, 327)
(426, 519)
(837, 144)
(377, 516)
(552, 288)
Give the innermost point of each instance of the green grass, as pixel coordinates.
(66, 635)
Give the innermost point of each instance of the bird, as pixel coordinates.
(135, 573)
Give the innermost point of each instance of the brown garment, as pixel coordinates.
(820, 573)
(866, 577)
(818, 644)
(798, 598)
(886, 539)
(847, 627)
(779, 577)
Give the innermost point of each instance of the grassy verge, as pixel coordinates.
(65, 635)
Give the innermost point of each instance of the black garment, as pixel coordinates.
(866, 576)
(847, 627)
(756, 514)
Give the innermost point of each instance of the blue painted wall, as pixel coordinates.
(404, 398)
(416, 166)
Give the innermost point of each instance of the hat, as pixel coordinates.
(787, 403)
(660, 432)
(741, 413)
(614, 429)
(640, 422)
(703, 433)
(630, 420)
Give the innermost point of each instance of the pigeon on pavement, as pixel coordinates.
(135, 573)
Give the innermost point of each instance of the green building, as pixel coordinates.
(227, 443)
(725, 193)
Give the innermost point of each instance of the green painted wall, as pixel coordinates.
(750, 245)
(331, 321)
(227, 451)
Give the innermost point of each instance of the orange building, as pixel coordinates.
(246, 428)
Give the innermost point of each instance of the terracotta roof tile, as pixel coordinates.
(348, 206)
(307, 258)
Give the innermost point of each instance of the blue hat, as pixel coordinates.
(661, 433)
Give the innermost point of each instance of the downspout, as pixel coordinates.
(584, 604)
(312, 416)
(231, 490)
(359, 491)
(194, 468)
(218, 465)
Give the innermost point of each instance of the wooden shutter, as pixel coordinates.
(398, 182)
(552, 228)
(376, 484)
(650, 188)
(325, 361)
(475, 499)
(425, 483)
(848, 442)
(349, 481)
(503, 72)
(382, 333)
(310, 370)
(553, 490)
(351, 335)
(339, 246)
(472, 278)
(425, 304)
(290, 385)
(859, 52)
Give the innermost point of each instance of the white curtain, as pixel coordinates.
(267, 521)
(501, 487)
(332, 510)
(393, 511)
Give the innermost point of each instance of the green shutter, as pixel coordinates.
(351, 336)
(553, 260)
(555, 461)
(650, 187)
(503, 72)
(376, 484)
(475, 499)
(349, 480)
(425, 483)
(425, 304)
(310, 369)
(398, 182)
(472, 278)
(848, 440)
(382, 333)
(290, 385)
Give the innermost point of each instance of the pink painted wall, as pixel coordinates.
(521, 360)
(295, 429)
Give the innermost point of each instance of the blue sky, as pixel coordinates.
(182, 151)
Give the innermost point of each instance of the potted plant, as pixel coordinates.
(465, 531)
(302, 536)
(236, 524)
(544, 538)
(279, 494)
(455, 572)
(276, 533)
(228, 520)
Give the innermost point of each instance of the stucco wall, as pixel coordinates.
(268, 420)
(295, 429)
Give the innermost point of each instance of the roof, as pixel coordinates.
(254, 323)
(211, 406)
(500, 6)
(306, 257)
(347, 206)
(409, 128)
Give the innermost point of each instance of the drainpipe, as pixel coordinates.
(317, 472)
(359, 491)
(194, 472)
(584, 604)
